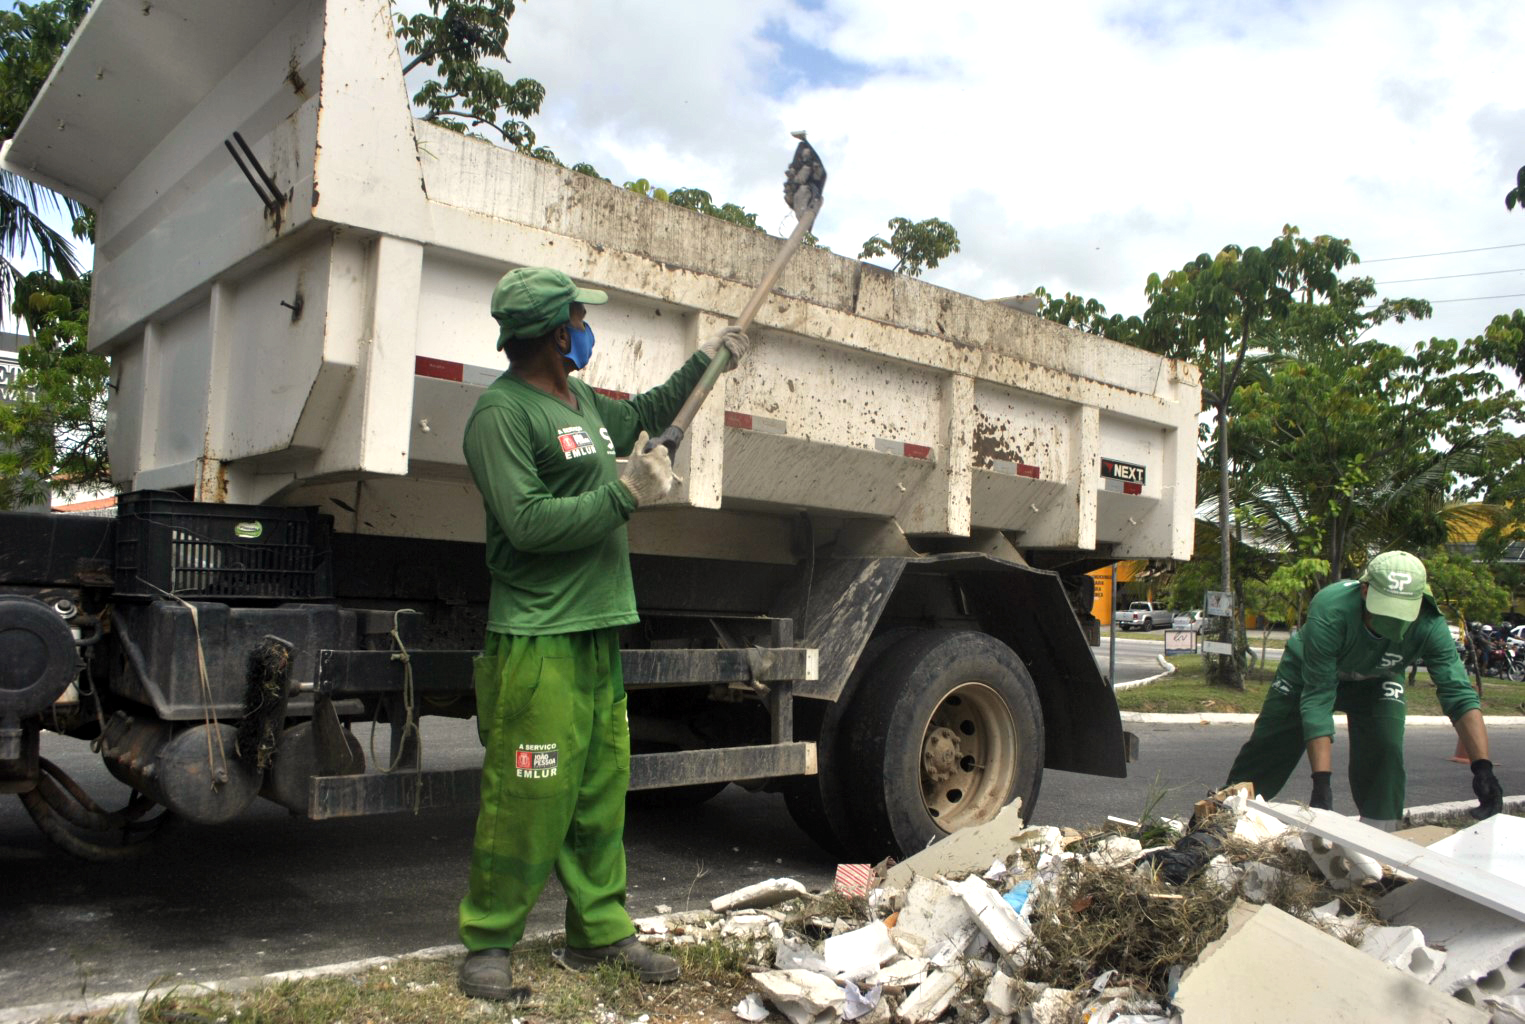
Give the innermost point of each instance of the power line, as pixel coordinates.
(1448, 277)
(1453, 252)
(1479, 298)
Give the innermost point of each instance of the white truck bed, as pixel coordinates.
(329, 354)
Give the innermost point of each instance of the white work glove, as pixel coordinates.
(648, 477)
(733, 338)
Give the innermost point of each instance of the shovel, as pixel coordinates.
(804, 179)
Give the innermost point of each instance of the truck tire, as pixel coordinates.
(947, 732)
(822, 804)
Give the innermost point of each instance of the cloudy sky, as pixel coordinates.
(1079, 146)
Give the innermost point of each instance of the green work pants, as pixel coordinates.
(1375, 712)
(551, 715)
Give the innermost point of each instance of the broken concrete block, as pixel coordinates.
(748, 926)
(1244, 977)
(1001, 924)
(933, 915)
(1343, 868)
(859, 953)
(932, 997)
(1485, 950)
(1403, 946)
(1258, 882)
(968, 849)
(1002, 995)
(802, 996)
(1483, 887)
(1053, 1006)
(903, 974)
(763, 894)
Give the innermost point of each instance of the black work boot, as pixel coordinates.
(627, 953)
(486, 975)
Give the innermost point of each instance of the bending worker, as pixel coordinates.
(1350, 656)
(551, 714)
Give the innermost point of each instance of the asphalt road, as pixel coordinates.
(269, 892)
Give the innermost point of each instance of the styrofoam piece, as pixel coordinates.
(968, 849)
(1341, 867)
(1244, 977)
(1403, 946)
(860, 952)
(762, 894)
(1485, 950)
(1115, 851)
(933, 915)
(802, 996)
(1002, 925)
(860, 1003)
(1482, 887)
(1053, 1006)
(1495, 845)
(751, 1008)
(932, 997)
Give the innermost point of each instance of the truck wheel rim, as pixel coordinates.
(968, 757)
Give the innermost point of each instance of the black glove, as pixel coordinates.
(1490, 795)
(1322, 797)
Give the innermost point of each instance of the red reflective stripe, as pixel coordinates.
(739, 420)
(620, 395)
(440, 369)
(917, 451)
(1133, 488)
(1029, 471)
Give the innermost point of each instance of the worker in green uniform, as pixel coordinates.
(1350, 656)
(541, 446)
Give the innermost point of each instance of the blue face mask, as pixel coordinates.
(581, 349)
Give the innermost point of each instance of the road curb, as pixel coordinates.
(1432, 813)
(1226, 718)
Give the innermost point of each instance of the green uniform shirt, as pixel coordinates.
(556, 511)
(1335, 647)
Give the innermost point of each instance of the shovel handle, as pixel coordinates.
(673, 435)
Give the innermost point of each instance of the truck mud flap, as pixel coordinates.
(352, 796)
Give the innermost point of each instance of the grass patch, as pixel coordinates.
(423, 991)
(1186, 692)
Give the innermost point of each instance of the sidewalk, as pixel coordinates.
(1223, 718)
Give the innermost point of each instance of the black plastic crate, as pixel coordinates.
(165, 544)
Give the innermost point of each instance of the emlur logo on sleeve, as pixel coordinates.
(535, 761)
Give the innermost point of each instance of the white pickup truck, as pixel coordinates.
(1145, 615)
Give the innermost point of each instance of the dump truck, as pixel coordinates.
(869, 591)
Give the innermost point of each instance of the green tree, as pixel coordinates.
(53, 438)
(1516, 196)
(31, 38)
(916, 246)
(452, 41)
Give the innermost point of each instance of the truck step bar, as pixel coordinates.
(351, 796)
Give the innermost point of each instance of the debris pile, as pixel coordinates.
(1253, 912)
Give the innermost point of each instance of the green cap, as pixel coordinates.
(1395, 585)
(530, 301)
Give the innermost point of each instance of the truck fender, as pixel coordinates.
(1012, 602)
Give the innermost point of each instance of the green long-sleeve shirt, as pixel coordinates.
(1335, 647)
(556, 511)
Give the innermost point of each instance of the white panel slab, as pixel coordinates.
(1490, 890)
(1247, 977)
